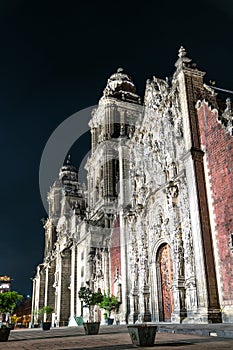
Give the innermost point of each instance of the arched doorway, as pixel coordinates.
(164, 280)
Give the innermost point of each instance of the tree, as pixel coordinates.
(109, 303)
(8, 302)
(90, 298)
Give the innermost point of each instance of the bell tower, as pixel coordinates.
(112, 120)
(112, 125)
(73, 196)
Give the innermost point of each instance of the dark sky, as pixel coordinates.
(55, 58)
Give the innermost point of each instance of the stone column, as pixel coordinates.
(124, 174)
(124, 239)
(154, 302)
(50, 284)
(46, 291)
(78, 281)
(57, 286)
(37, 292)
(190, 278)
(108, 171)
(65, 284)
(33, 301)
(107, 121)
(106, 272)
(178, 286)
(72, 287)
(133, 312)
(92, 140)
(42, 288)
(72, 282)
(123, 249)
(90, 266)
(133, 272)
(144, 291)
(75, 281)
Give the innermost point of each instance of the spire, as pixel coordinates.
(68, 164)
(68, 167)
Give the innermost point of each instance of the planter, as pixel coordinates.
(110, 320)
(4, 333)
(142, 334)
(91, 327)
(79, 320)
(46, 326)
(11, 325)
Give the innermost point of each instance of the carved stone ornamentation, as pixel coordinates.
(227, 116)
(139, 227)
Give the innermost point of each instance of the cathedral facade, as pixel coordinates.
(155, 223)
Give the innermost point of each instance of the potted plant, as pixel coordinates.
(142, 334)
(46, 310)
(89, 299)
(8, 302)
(109, 303)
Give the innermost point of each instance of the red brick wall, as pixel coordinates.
(218, 146)
(115, 252)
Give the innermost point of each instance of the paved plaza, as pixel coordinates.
(115, 337)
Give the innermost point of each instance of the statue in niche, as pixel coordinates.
(178, 125)
(172, 194)
(164, 227)
(139, 181)
(119, 292)
(172, 170)
(122, 130)
(158, 226)
(168, 158)
(150, 140)
(131, 131)
(193, 297)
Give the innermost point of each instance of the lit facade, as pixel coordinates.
(5, 284)
(155, 221)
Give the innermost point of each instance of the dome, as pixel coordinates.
(121, 81)
(121, 86)
(68, 170)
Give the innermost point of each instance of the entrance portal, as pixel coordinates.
(165, 278)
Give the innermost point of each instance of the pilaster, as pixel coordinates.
(190, 81)
(178, 287)
(72, 287)
(124, 254)
(65, 284)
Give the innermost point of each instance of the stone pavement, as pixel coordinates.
(117, 337)
(224, 330)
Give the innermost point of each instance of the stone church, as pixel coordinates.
(155, 222)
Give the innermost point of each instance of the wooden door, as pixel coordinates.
(164, 263)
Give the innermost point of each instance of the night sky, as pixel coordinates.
(55, 58)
